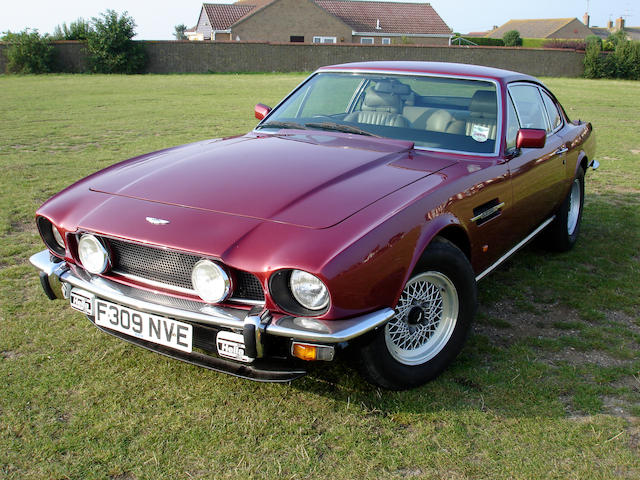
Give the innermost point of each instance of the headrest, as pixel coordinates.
(401, 88)
(483, 104)
(382, 102)
(392, 86)
(383, 87)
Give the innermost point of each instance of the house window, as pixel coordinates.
(296, 39)
(324, 39)
(366, 40)
(386, 41)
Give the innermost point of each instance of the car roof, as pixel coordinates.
(444, 68)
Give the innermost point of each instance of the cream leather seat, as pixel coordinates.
(380, 107)
(483, 114)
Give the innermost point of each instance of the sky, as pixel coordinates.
(156, 20)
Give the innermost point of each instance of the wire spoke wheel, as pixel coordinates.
(425, 319)
(574, 207)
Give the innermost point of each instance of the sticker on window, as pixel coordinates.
(480, 133)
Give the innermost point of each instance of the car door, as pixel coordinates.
(537, 174)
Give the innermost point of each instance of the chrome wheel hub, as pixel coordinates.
(574, 207)
(426, 316)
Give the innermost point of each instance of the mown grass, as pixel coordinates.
(547, 387)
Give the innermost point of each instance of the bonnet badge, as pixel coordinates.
(157, 221)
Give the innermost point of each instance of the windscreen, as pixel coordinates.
(440, 113)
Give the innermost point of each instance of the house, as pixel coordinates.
(563, 28)
(321, 21)
(633, 33)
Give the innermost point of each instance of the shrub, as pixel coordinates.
(593, 39)
(512, 39)
(28, 52)
(623, 62)
(627, 60)
(111, 49)
(78, 30)
(593, 67)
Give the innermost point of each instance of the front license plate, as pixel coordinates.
(146, 326)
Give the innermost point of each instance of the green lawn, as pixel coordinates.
(547, 387)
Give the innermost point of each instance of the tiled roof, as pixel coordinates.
(222, 16)
(533, 28)
(412, 18)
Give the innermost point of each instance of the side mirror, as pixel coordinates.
(531, 138)
(261, 111)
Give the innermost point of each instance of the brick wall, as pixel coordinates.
(203, 57)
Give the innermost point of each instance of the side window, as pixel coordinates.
(529, 106)
(512, 124)
(552, 110)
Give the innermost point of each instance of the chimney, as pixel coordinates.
(619, 24)
(585, 19)
(610, 25)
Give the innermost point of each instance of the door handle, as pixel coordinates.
(561, 150)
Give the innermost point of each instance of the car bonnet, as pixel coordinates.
(309, 179)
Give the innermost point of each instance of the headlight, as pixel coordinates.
(51, 236)
(93, 254)
(57, 236)
(308, 290)
(210, 281)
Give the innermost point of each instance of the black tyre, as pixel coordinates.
(563, 231)
(432, 320)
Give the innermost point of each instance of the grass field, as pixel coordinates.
(547, 387)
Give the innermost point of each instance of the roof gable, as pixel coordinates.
(410, 18)
(532, 28)
(222, 16)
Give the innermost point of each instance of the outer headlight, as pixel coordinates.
(93, 254)
(51, 236)
(210, 281)
(57, 236)
(308, 290)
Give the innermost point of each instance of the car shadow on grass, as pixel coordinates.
(556, 334)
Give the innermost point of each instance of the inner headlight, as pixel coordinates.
(210, 281)
(308, 290)
(93, 254)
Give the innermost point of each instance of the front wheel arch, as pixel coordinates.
(407, 360)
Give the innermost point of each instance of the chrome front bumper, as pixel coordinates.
(254, 324)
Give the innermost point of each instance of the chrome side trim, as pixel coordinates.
(526, 240)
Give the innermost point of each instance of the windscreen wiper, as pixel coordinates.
(276, 124)
(339, 127)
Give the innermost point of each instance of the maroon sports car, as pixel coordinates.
(359, 214)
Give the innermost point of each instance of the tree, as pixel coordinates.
(78, 30)
(110, 45)
(28, 52)
(512, 39)
(179, 32)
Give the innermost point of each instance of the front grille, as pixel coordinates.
(173, 268)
